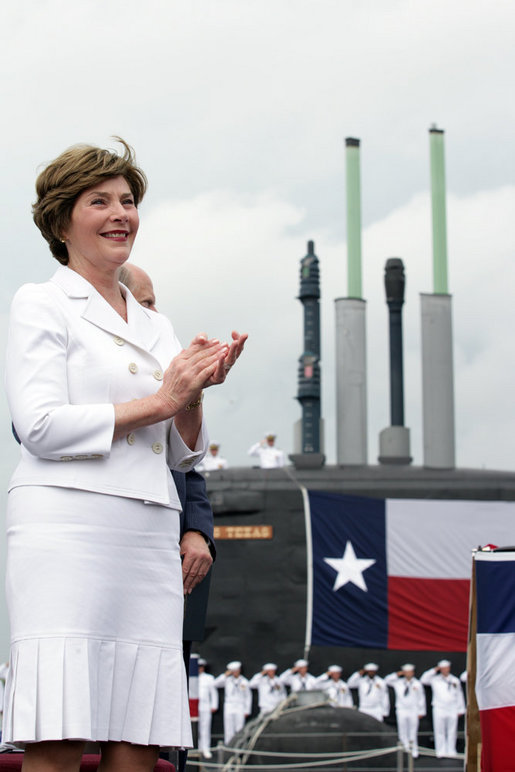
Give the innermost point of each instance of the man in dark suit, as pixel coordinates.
(197, 545)
(198, 551)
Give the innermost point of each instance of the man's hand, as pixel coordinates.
(196, 560)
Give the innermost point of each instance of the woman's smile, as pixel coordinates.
(103, 225)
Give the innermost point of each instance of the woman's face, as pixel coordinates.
(103, 226)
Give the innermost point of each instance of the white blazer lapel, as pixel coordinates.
(141, 321)
(138, 330)
(100, 313)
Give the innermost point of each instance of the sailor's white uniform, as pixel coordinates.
(298, 682)
(207, 704)
(410, 703)
(237, 703)
(448, 703)
(269, 456)
(372, 694)
(270, 691)
(338, 691)
(211, 463)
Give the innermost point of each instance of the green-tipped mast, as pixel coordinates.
(436, 144)
(354, 288)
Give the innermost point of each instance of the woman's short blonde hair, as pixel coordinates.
(74, 171)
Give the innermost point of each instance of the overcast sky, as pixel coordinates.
(238, 110)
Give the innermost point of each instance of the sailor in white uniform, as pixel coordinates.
(373, 697)
(297, 677)
(212, 461)
(237, 699)
(269, 456)
(338, 691)
(410, 705)
(270, 690)
(207, 705)
(448, 704)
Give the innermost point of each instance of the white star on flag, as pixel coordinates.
(349, 568)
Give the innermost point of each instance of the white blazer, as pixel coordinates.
(70, 358)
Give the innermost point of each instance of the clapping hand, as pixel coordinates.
(228, 359)
(188, 372)
(204, 363)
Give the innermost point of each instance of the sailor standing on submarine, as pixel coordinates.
(410, 705)
(298, 678)
(337, 690)
(237, 699)
(448, 704)
(269, 456)
(270, 690)
(372, 691)
(207, 705)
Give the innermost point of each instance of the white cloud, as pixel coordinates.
(221, 261)
(252, 96)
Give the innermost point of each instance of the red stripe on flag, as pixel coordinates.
(194, 709)
(498, 739)
(428, 614)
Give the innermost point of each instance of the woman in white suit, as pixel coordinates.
(104, 401)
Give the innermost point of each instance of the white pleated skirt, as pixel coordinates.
(94, 592)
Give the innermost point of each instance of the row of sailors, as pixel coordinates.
(373, 698)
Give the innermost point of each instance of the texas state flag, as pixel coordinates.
(395, 573)
(495, 653)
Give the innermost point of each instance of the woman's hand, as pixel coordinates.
(190, 371)
(204, 363)
(228, 360)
